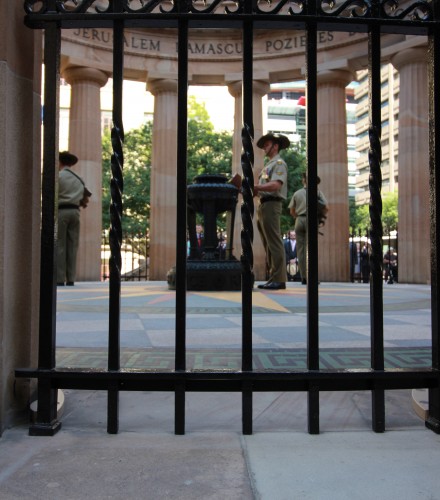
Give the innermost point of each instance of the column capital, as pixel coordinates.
(235, 88)
(161, 85)
(338, 77)
(409, 56)
(259, 87)
(75, 74)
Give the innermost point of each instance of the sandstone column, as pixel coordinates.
(260, 89)
(163, 187)
(413, 250)
(85, 142)
(20, 207)
(333, 170)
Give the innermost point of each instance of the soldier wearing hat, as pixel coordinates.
(72, 194)
(272, 190)
(298, 210)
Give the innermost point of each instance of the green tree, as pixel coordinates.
(197, 112)
(359, 217)
(209, 152)
(390, 214)
(136, 175)
(360, 214)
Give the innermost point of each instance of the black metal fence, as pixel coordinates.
(373, 17)
(360, 250)
(135, 261)
(134, 257)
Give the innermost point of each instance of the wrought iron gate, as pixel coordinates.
(369, 16)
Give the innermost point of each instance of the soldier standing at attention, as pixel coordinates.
(298, 210)
(72, 194)
(272, 190)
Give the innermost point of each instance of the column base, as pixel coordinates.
(41, 429)
(433, 424)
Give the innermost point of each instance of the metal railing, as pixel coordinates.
(360, 250)
(134, 257)
(372, 17)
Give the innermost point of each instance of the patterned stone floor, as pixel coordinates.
(270, 359)
(214, 326)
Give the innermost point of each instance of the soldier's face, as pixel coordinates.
(270, 148)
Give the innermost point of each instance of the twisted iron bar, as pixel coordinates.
(116, 190)
(247, 207)
(375, 208)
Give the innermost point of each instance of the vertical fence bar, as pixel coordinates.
(46, 423)
(182, 140)
(247, 213)
(433, 421)
(115, 236)
(312, 223)
(375, 184)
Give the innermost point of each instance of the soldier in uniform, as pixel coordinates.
(272, 190)
(298, 210)
(72, 194)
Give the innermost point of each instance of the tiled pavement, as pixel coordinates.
(214, 318)
(214, 326)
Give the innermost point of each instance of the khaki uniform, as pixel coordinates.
(268, 218)
(70, 192)
(299, 203)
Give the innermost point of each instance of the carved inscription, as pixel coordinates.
(136, 42)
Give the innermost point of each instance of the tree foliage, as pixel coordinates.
(136, 175)
(390, 214)
(208, 152)
(360, 215)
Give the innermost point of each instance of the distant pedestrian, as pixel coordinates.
(390, 266)
(291, 256)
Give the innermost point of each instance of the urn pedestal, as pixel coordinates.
(210, 267)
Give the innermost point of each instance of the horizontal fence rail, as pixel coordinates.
(223, 380)
(372, 17)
